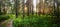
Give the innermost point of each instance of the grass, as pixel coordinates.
(35, 21)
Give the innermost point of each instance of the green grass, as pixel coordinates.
(35, 21)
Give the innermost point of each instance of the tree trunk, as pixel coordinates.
(16, 7)
(23, 9)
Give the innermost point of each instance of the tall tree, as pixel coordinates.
(23, 9)
(28, 7)
(56, 8)
(0, 5)
(16, 7)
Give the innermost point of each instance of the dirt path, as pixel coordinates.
(7, 23)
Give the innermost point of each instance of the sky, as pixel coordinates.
(34, 3)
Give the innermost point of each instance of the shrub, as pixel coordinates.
(4, 17)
